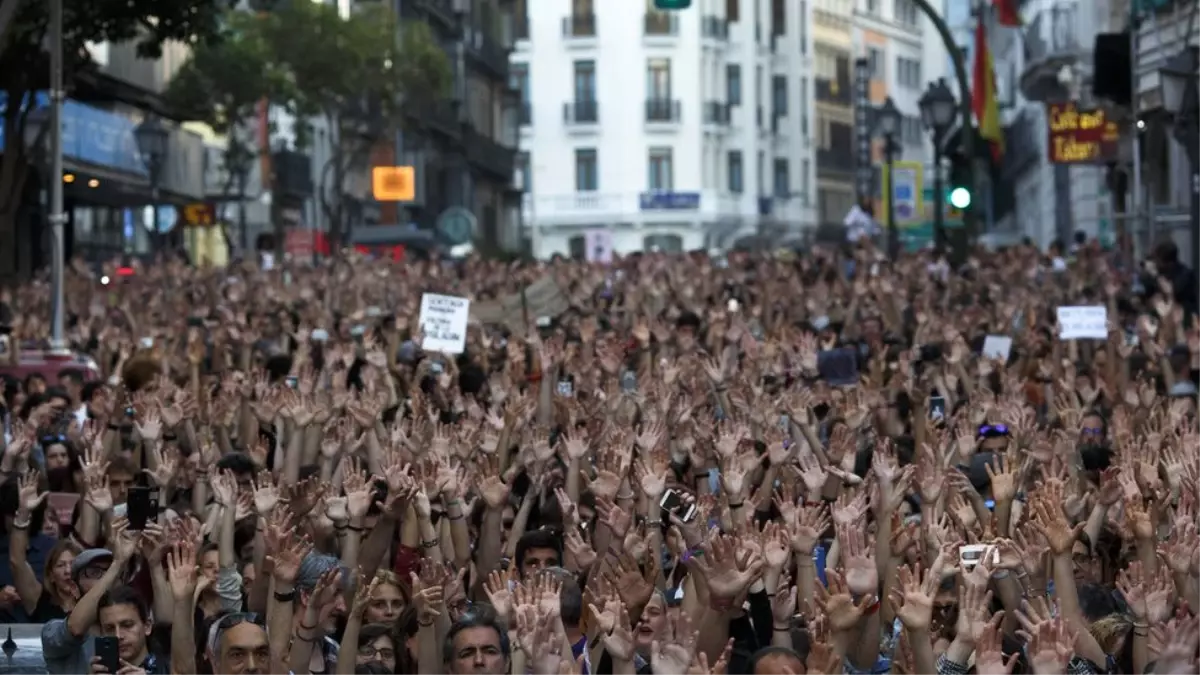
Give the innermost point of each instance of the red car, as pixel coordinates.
(49, 365)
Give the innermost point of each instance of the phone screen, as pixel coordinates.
(566, 388)
(673, 503)
(937, 408)
(292, 381)
(143, 507)
(109, 651)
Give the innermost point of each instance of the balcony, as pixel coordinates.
(488, 155)
(660, 25)
(1052, 40)
(443, 116)
(441, 10)
(833, 92)
(663, 111)
(835, 163)
(714, 28)
(585, 209)
(716, 112)
(580, 29)
(487, 54)
(578, 113)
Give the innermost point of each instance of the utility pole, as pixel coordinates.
(58, 216)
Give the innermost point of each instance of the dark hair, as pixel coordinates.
(89, 390)
(237, 462)
(278, 367)
(371, 668)
(474, 620)
(768, 652)
(537, 539)
(75, 375)
(125, 595)
(373, 631)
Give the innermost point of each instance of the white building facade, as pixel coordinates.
(669, 131)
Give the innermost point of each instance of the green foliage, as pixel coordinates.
(149, 22)
(221, 82)
(337, 64)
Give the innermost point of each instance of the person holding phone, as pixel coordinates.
(68, 645)
(125, 618)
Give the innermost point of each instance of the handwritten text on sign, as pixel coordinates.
(1080, 136)
(444, 321)
(1083, 323)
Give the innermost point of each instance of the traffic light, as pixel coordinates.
(672, 4)
(960, 198)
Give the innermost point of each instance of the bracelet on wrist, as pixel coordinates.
(783, 629)
(21, 526)
(625, 497)
(425, 623)
(431, 544)
(736, 506)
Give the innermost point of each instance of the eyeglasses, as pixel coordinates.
(1091, 431)
(53, 439)
(993, 430)
(93, 572)
(371, 651)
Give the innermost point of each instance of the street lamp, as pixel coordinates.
(888, 120)
(239, 159)
(938, 110)
(1181, 98)
(151, 137)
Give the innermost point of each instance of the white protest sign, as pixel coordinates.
(599, 246)
(1083, 323)
(997, 347)
(444, 322)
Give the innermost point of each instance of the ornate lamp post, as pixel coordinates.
(888, 119)
(938, 110)
(151, 136)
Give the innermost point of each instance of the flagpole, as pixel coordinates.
(1133, 214)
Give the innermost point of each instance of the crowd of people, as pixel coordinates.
(828, 463)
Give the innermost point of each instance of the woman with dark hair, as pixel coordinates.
(64, 470)
(55, 594)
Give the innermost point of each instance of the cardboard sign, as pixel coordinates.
(542, 298)
(599, 246)
(62, 505)
(997, 347)
(1083, 323)
(444, 322)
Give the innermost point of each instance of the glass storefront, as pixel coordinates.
(102, 232)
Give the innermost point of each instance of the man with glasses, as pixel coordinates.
(238, 644)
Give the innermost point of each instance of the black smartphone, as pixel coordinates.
(672, 502)
(195, 322)
(109, 651)
(143, 507)
(292, 381)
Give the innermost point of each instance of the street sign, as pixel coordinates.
(457, 225)
(393, 183)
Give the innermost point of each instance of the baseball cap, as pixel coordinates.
(88, 558)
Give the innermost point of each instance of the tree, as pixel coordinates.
(356, 75)
(221, 84)
(24, 70)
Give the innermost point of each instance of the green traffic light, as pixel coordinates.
(672, 4)
(960, 198)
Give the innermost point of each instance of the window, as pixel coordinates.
(585, 80)
(658, 79)
(661, 176)
(778, 17)
(908, 73)
(762, 173)
(804, 106)
(760, 85)
(731, 10)
(910, 130)
(733, 84)
(875, 62)
(577, 247)
(783, 185)
(524, 167)
(906, 12)
(826, 62)
(585, 170)
(872, 6)
(666, 243)
(582, 7)
(805, 168)
(779, 95)
(736, 180)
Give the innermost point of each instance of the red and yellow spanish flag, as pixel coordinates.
(983, 98)
(1007, 13)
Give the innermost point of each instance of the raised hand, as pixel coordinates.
(266, 493)
(674, 653)
(182, 571)
(862, 575)
(224, 487)
(912, 597)
(989, 654)
(28, 497)
(358, 490)
(838, 605)
(729, 567)
(616, 633)
(1051, 647)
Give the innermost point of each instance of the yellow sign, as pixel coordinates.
(393, 183)
(199, 214)
(1080, 136)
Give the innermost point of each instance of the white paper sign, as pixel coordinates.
(444, 322)
(599, 246)
(997, 347)
(1083, 323)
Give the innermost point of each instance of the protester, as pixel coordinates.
(830, 463)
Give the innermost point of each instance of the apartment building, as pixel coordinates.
(905, 53)
(667, 131)
(833, 50)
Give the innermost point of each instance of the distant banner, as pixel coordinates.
(904, 186)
